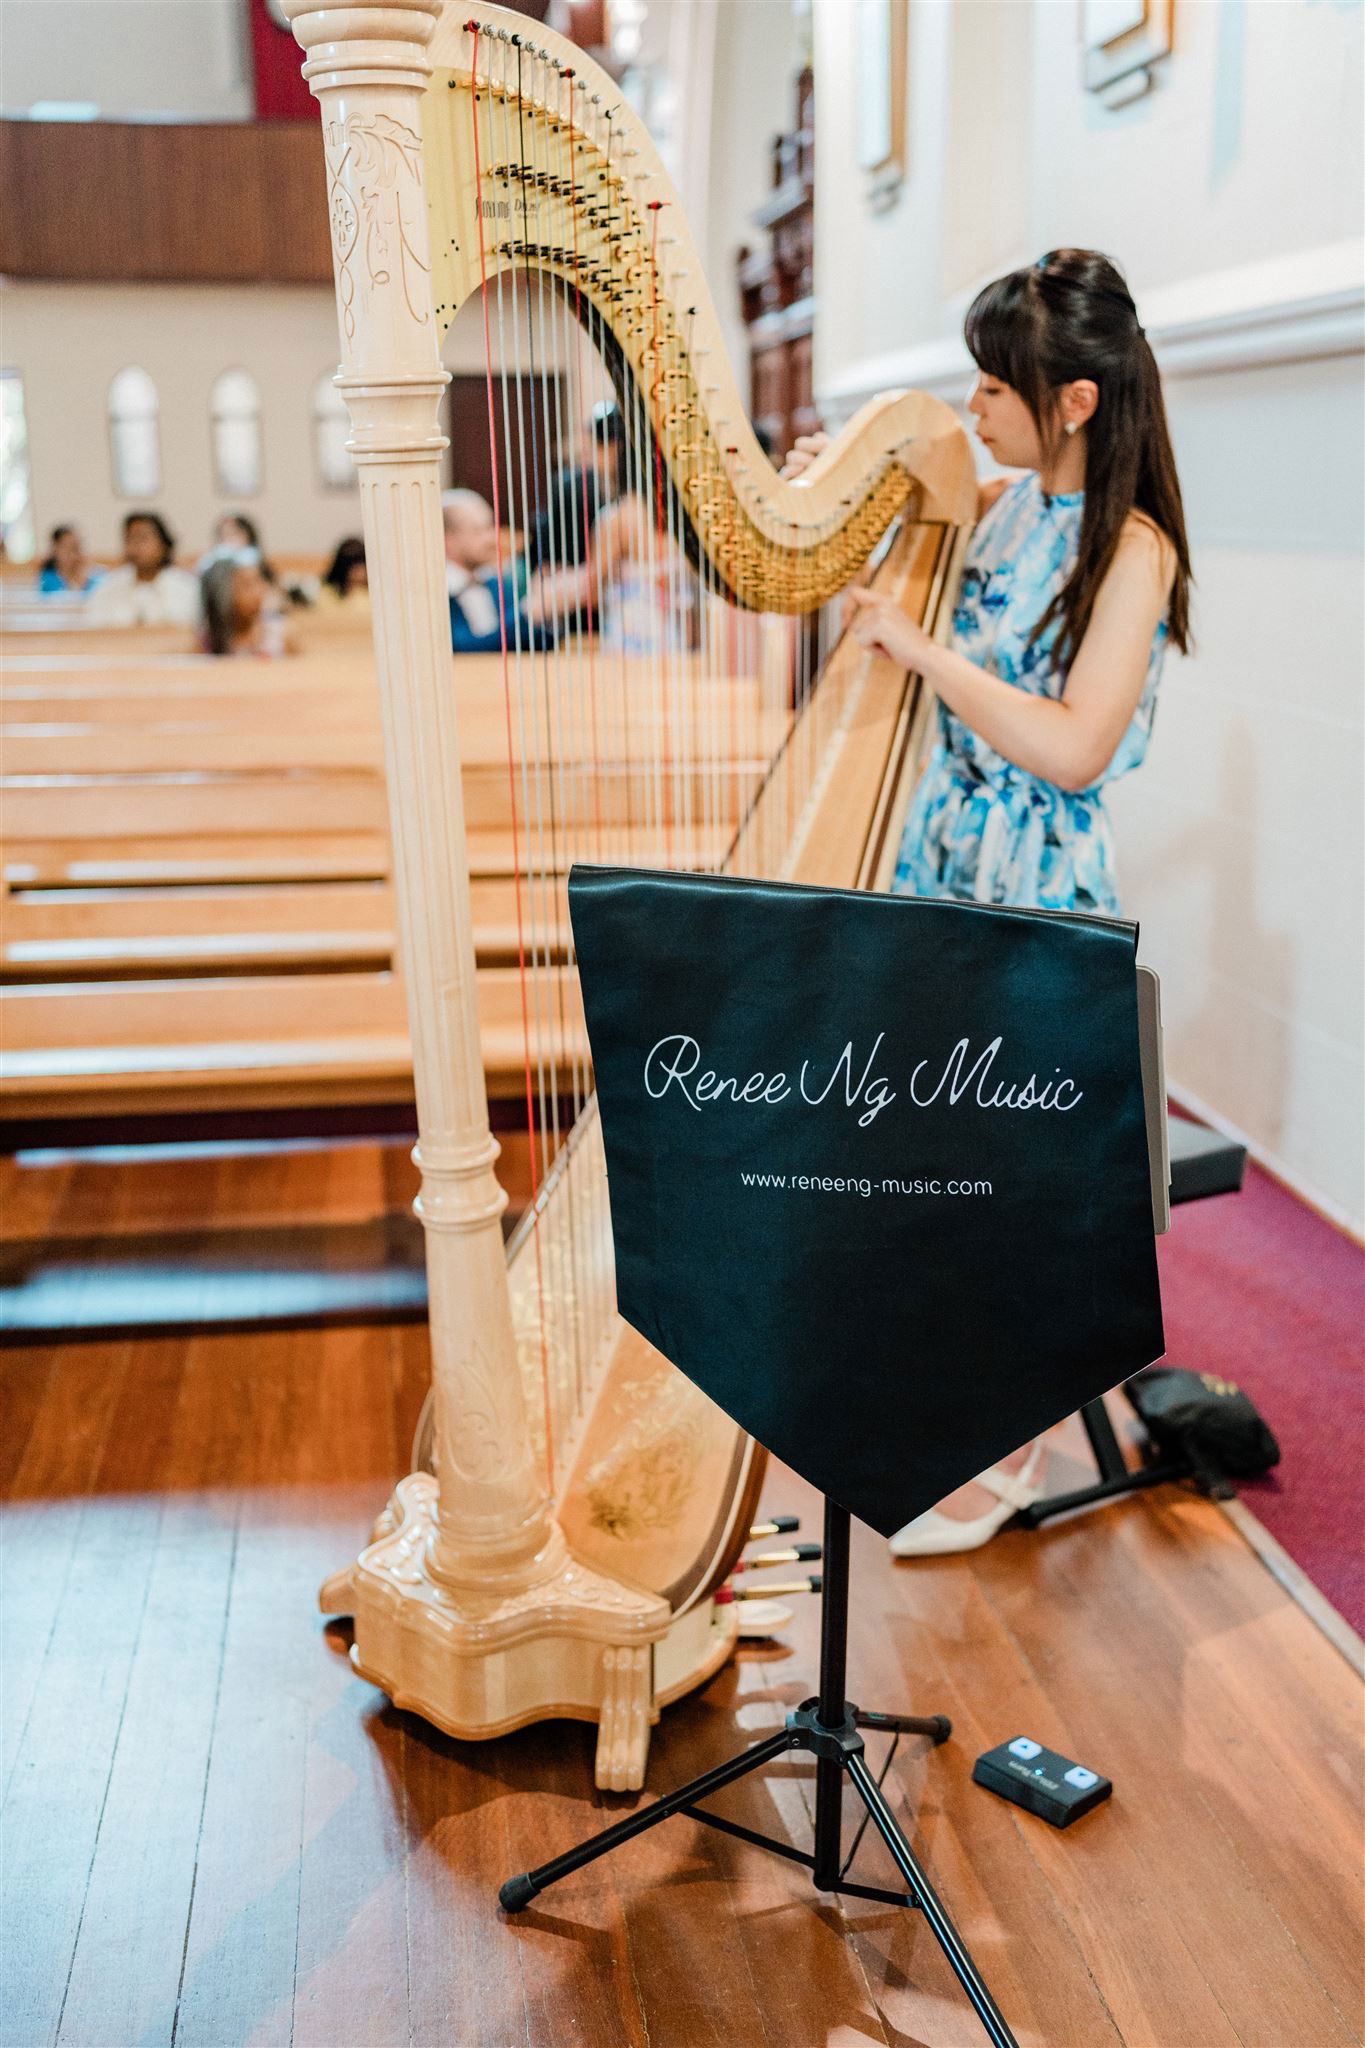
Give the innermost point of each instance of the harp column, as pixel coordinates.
(468, 1606)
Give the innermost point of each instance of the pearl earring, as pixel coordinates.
(1071, 426)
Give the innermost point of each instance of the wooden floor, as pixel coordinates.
(216, 1835)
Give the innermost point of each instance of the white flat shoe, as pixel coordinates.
(934, 1535)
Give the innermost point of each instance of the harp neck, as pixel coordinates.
(533, 142)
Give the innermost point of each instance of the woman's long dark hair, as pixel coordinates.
(220, 611)
(350, 554)
(57, 535)
(1071, 315)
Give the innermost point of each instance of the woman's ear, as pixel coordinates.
(1079, 403)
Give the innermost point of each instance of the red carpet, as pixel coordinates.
(1257, 1288)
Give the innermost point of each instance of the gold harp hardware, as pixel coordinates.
(584, 226)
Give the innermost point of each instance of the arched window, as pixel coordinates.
(16, 508)
(235, 421)
(331, 429)
(134, 441)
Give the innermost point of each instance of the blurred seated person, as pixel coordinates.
(346, 574)
(243, 613)
(514, 560)
(236, 534)
(635, 584)
(146, 589)
(561, 534)
(478, 604)
(66, 570)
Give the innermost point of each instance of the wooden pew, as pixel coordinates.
(109, 1048)
(76, 934)
(197, 907)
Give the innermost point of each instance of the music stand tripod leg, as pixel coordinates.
(827, 1728)
(518, 1892)
(932, 1907)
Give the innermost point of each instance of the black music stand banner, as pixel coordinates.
(878, 1166)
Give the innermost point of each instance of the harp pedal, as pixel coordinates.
(795, 1553)
(785, 1587)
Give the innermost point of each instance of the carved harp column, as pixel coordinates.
(467, 1606)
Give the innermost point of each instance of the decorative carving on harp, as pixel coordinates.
(584, 1501)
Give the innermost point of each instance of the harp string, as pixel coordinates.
(581, 539)
(557, 354)
(507, 704)
(658, 582)
(657, 722)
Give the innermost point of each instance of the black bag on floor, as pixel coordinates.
(1203, 1418)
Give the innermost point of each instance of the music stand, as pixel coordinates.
(828, 1727)
(766, 973)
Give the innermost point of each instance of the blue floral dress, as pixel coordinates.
(979, 828)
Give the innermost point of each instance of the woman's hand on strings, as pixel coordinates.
(800, 458)
(879, 623)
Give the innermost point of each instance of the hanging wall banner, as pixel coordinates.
(878, 1166)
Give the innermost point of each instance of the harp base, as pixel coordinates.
(579, 1645)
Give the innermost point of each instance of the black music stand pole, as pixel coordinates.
(828, 1728)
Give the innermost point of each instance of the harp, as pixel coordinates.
(583, 1502)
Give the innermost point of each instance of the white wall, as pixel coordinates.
(1249, 147)
(714, 82)
(68, 340)
(1241, 837)
(125, 57)
(1232, 194)
(753, 99)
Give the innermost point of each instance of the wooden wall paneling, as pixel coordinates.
(801, 383)
(470, 462)
(776, 283)
(768, 372)
(165, 202)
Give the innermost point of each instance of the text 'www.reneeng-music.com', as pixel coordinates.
(833, 1184)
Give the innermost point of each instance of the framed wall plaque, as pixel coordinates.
(1121, 42)
(881, 54)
